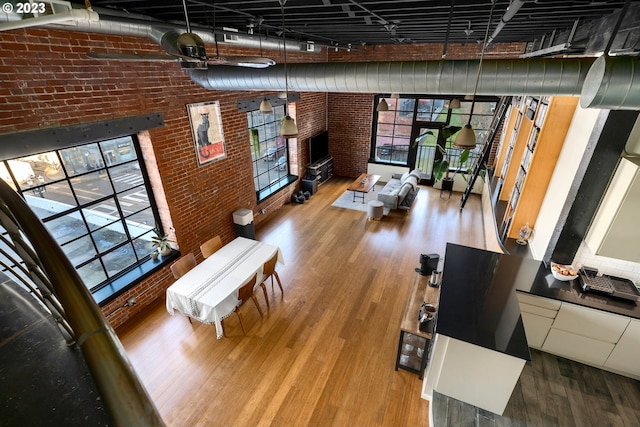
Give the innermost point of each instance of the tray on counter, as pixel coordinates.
(591, 281)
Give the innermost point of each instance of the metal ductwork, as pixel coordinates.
(612, 83)
(498, 77)
(511, 11)
(110, 22)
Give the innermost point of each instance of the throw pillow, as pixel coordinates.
(404, 177)
(403, 192)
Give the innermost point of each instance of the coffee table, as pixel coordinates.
(362, 185)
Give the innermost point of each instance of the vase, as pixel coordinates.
(164, 251)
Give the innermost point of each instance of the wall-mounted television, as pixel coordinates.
(319, 146)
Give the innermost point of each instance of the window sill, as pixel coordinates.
(275, 187)
(122, 283)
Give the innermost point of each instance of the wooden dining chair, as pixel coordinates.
(184, 264)
(181, 266)
(245, 293)
(269, 270)
(211, 246)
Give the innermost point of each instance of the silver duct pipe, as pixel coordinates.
(612, 83)
(154, 30)
(511, 11)
(498, 77)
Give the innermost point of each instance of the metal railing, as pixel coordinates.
(36, 261)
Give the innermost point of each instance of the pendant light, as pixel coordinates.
(455, 103)
(288, 126)
(382, 105)
(466, 138)
(265, 105)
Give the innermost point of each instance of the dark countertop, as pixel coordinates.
(478, 304)
(545, 285)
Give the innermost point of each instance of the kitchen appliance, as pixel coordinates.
(592, 281)
(428, 263)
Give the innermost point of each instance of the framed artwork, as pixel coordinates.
(206, 127)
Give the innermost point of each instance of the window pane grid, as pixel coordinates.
(269, 151)
(94, 200)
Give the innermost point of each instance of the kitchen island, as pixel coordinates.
(480, 347)
(477, 314)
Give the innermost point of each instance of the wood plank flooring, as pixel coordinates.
(553, 391)
(324, 354)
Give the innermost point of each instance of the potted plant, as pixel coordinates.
(442, 167)
(161, 241)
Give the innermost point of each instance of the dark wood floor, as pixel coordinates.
(553, 391)
(324, 354)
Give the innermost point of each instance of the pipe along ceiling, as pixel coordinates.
(606, 83)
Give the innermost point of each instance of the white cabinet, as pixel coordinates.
(538, 314)
(584, 334)
(625, 357)
(590, 323)
(577, 347)
(614, 231)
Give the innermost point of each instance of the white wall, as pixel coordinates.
(562, 178)
(385, 171)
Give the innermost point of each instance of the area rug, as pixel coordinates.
(346, 199)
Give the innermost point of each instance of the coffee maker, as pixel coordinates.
(428, 264)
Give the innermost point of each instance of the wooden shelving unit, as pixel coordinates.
(413, 346)
(539, 128)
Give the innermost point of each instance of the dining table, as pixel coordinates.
(209, 292)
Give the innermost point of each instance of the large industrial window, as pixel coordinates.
(96, 202)
(269, 152)
(407, 134)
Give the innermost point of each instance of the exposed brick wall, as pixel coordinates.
(46, 81)
(350, 132)
(425, 52)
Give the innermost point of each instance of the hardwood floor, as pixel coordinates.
(553, 391)
(325, 353)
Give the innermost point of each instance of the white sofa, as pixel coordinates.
(400, 191)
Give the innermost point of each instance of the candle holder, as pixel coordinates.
(524, 234)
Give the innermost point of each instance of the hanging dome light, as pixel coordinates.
(382, 105)
(466, 138)
(288, 126)
(455, 103)
(266, 107)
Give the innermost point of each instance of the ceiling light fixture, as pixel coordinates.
(466, 138)
(265, 105)
(455, 103)
(382, 105)
(288, 126)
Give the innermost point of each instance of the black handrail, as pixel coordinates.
(124, 396)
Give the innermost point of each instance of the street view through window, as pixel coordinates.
(268, 149)
(95, 202)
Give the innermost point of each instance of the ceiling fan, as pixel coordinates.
(190, 53)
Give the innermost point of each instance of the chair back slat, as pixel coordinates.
(270, 266)
(210, 247)
(246, 291)
(184, 264)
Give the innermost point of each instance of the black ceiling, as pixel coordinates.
(356, 22)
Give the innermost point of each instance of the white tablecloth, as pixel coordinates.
(209, 291)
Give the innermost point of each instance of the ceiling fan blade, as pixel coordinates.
(242, 61)
(132, 56)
